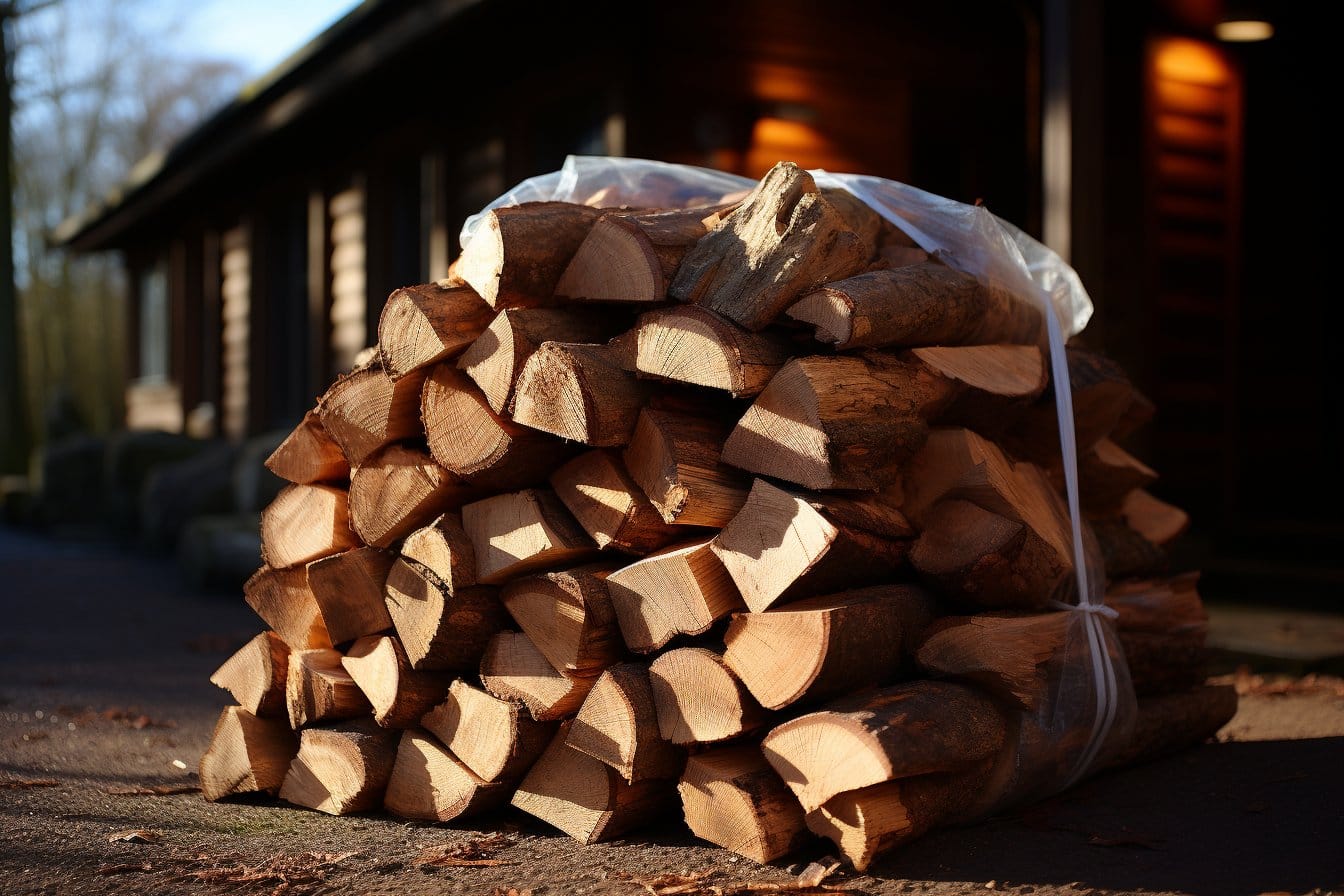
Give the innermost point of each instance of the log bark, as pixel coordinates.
(285, 602)
(826, 646)
(569, 617)
(610, 505)
(341, 769)
(1172, 722)
(444, 549)
(784, 240)
(733, 799)
(699, 699)
(587, 799)
(440, 628)
(429, 783)
(365, 410)
(309, 455)
(1125, 553)
(496, 739)
(675, 459)
(1107, 474)
(518, 253)
(579, 392)
(398, 491)
(399, 694)
(781, 548)
(618, 725)
(523, 532)
(679, 590)
(318, 689)
(246, 755)
(914, 305)
(304, 523)
(690, 344)
(256, 674)
(349, 590)
(1102, 395)
(513, 669)
(1164, 663)
(896, 732)
(426, 324)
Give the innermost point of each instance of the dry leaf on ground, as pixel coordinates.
(156, 790)
(282, 870)
(478, 852)
(25, 783)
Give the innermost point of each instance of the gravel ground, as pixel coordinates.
(105, 709)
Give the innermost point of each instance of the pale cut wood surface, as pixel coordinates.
(425, 324)
(523, 532)
(497, 739)
(398, 491)
(579, 392)
(701, 700)
(365, 410)
(318, 689)
(349, 588)
(691, 344)
(246, 755)
(610, 506)
(682, 589)
(440, 628)
(675, 459)
(513, 669)
(255, 675)
(399, 694)
(306, 522)
(443, 548)
(342, 769)
(731, 797)
(518, 252)
(309, 455)
(618, 724)
(285, 602)
(429, 783)
(568, 615)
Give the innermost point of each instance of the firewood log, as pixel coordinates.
(879, 735)
(784, 240)
(471, 441)
(305, 522)
(949, 453)
(579, 392)
(398, 491)
(513, 669)
(700, 699)
(318, 689)
(1170, 722)
(632, 256)
(1125, 553)
(498, 355)
(610, 505)
(285, 602)
(518, 252)
(826, 646)
(444, 549)
(1009, 655)
(781, 548)
(523, 532)
(733, 799)
(1102, 395)
(918, 304)
(341, 769)
(1171, 605)
(675, 459)
(496, 739)
(690, 344)
(309, 455)
(429, 783)
(399, 694)
(568, 616)
(587, 799)
(423, 325)
(246, 755)
(1164, 662)
(1107, 474)
(441, 628)
(618, 724)
(365, 410)
(680, 590)
(256, 674)
(349, 589)
(1157, 521)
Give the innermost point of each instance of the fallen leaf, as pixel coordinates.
(282, 870)
(25, 783)
(125, 868)
(479, 852)
(156, 790)
(138, 835)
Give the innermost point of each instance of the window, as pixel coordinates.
(154, 330)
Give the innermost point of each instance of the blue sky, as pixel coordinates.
(257, 33)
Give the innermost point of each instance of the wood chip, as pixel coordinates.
(137, 835)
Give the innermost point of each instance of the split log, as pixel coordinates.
(1164, 663)
(309, 455)
(984, 387)
(618, 725)
(518, 252)
(470, 440)
(246, 755)
(349, 589)
(826, 646)
(675, 459)
(398, 491)
(568, 616)
(305, 522)
(690, 344)
(318, 689)
(496, 358)
(341, 769)
(781, 548)
(444, 549)
(917, 304)
(1157, 521)
(523, 532)
(879, 735)
(494, 738)
(1009, 655)
(679, 590)
(1125, 553)
(399, 694)
(1107, 474)
(1139, 411)
(610, 505)
(255, 676)
(285, 602)
(579, 392)
(1172, 722)
(440, 628)
(423, 325)
(784, 240)
(365, 410)
(513, 669)
(699, 699)
(1102, 395)
(429, 783)
(632, 257)
(733, 799)
(587, 799)
(1170, 605)
(949, 454)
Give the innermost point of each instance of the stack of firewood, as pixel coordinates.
(753, 508)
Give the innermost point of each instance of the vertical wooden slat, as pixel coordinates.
(319, 292)
(348, 276)
(236, 299)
